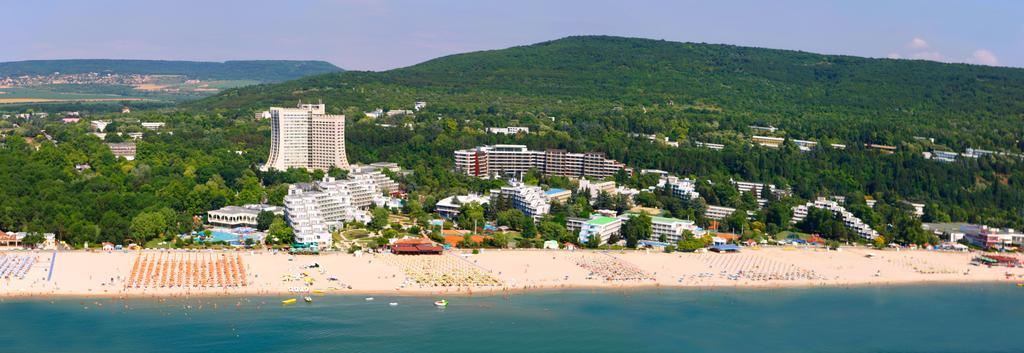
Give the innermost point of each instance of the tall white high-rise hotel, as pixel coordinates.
(306, 137)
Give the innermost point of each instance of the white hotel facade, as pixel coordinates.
(313, 210)
(531, 200)
(851, 221)
(487, 161)
(306, 137)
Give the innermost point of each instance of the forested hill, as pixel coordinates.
(594, 74)
(257, 70)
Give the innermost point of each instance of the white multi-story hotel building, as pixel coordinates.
(681, 188)
(306, 137)
(718, 212)
(851, 221)
(531, 200)
(673, 228)
(600, 228)
(314, 209)
(487, 161)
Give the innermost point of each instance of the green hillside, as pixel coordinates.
(882, 100)
(257, 70)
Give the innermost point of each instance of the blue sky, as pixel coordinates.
(382, 34)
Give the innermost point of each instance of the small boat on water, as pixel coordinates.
(288, 301)
(441, 303)
(308, 299)
(393, 304)
(369, 298)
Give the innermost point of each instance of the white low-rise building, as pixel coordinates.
(601, 228)
(99, 125)
(124, 150)
(449, 207)
(239, 216)
(511, 130)
(673, 228)
(718, 212)
(153, 125)
(595, 188)
(990, 237)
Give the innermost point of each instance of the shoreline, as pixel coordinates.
(105, 275)
(495, 293)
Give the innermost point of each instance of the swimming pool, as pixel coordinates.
(230, 237)
(223, 236)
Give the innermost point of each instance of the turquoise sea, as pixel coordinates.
(947, 318)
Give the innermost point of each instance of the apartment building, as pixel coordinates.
(153, 125)
(714, 146)
(315, 209)
(511, 130)
(374, 176)
(851, 221)
(768, 128)
(531, 200)
(449, 207)
(601, 228)
(558, 195)
(805, 145)
(487, 161)
(944, 156)
(124, 150)
(767, 141)
(884, 149)
(595, 188)
(718, 212)
(989, 237)
(681, 188)
(671, 228)
(306, 137)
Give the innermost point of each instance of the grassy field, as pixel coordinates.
(37, 93)
(166, 88)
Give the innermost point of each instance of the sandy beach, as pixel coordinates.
(110, 273)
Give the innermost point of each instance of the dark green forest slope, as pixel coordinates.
(875, 100)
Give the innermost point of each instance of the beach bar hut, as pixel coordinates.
(416, 249)
(996, 260)
(725, 248)
(9, 239)
(551, 244)
(415, 246)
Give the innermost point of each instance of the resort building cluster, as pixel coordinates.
(851, 221)
(315, 209)
(602, 227)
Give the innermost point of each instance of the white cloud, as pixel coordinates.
(917, 43)
(984, 57)
(928, 55)
(895, 56)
